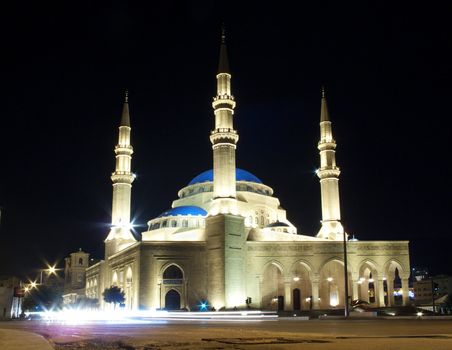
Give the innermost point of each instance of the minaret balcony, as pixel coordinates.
(224, 101)
(326, 145)
(122, 177)
(124, 149)
(224, 135)
(328, 172)
(224, 97)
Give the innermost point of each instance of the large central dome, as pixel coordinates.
(240, 175)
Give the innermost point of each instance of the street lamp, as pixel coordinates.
(50, 270)
(346, 311)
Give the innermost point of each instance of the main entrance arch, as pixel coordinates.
(172, 300)
(172, 288)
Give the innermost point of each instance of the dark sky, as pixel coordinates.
(387, 71)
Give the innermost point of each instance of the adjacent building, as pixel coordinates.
(11, 293)
(75, 276)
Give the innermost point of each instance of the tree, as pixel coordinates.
(42, 298)
(114, 295)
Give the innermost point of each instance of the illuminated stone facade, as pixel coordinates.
(227, 239)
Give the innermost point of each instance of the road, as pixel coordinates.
(276, 334)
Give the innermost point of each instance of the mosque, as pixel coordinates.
(226, 241)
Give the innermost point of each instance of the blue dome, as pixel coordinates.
(240, 175)
(184, 210)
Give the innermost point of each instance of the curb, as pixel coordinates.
(20, 340)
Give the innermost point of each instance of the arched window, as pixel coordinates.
(173, 272)
(129, 276)
(115, 278)
(80, 261)
(165, 223)
(185, 223)
(173, 223)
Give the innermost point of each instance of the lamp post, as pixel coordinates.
(346, 310)
(50, 270)
(433, 296)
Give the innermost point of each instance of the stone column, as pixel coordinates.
(261, 294)
(390, 282)
(287, 294)
(381, 292)
(355, 286)
(405, 289)
(315, 292)
(186, 294)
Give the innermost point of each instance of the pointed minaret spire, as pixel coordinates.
(223, 65)
(328, 174)
(125, 119)
(224, 138)
(324, 116)
(120, 235)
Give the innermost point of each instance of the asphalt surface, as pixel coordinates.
(275, 334)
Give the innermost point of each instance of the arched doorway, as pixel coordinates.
(331, 286)
(367, 284)
(172, 290)
(272, 288)
(300, 280)
(394, 284)
(296, 297)
(172, 300)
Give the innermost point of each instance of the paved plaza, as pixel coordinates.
(271, 334)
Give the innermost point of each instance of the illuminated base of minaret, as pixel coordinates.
(118, 239)
(332, 230)
(223, 206)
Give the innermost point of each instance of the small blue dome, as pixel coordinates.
(240, 175)
(184, 210)
(277, 224)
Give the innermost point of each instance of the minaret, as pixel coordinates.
(224, 138)
(329, 178)
(120, 235)
(225, 230)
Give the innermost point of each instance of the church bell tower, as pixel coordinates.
(328, 174)
(120, 235)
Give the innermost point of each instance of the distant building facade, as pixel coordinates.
(10, 297)
(227, 240)
(75, 276)
(432, 288)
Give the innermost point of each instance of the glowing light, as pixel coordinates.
(26, 289)
(203, 306)
(384, 278)
(360, 282)
(420, 314)
(371, 280)
(362, 279)
(33, 284)
(51, 269)
(308, 299)
(72, 316)
(296, 279)
(329, 279)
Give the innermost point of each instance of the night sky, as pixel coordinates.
(387, 72)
